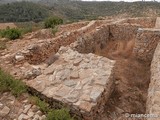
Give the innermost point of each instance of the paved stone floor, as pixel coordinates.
(82, 81)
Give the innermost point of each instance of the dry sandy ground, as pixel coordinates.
(5, 25)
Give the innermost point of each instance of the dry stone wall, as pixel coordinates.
(98, 39)
(123, 32)
(41, 50)
(153, 101)
(145, 44)
(145, 22)
(89, 42)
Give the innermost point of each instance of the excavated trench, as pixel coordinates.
(132, 78)
(115, 42)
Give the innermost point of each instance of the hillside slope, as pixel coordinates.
(75, 10)
(91, 10)
(10, 1)
(22, 11)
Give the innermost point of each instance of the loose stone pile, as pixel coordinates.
(13, 109)
(84, 82)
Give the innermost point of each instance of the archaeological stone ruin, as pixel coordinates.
(87, 67)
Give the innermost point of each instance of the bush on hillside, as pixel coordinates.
(52, 22)
(61, 114)
(8, 83)
(11, 33)
(51, 114)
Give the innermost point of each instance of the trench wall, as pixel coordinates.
(145, 44)
(91, 38)
(41, 50)
(145, 22)
(98, 39)
(153, 101)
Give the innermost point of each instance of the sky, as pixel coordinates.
(120, 0)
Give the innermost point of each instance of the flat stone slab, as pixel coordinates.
(82, 81)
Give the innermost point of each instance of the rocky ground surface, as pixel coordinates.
(12, 108)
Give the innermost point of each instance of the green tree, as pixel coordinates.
(11, 33)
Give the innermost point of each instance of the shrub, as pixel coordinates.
(8, 83)
(11, 33)
(54, 31)
(52, 22)
(41, 104)
(61, 114)
(3, 33)
(18, 87)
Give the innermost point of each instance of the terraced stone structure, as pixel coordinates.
(99, 69)
(84, 82)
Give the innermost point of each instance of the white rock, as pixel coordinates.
(19, 57)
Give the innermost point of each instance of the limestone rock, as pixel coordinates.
(32, 73)
(19, 57)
